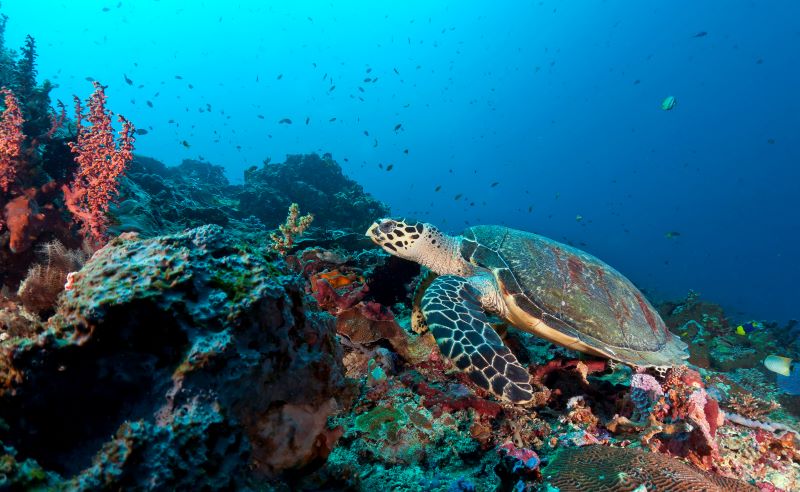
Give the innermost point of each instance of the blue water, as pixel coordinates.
(556, 102)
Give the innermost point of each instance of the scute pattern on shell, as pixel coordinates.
(575, 293)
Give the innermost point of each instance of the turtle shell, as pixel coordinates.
(572, 298)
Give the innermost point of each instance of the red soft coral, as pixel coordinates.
(101, 159)
(11, 138)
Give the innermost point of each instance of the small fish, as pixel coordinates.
(333, 87)
(700, 34)
(369, 70)
(90, 79)
(636, 82)
(178, 77)
(106, 9)
(308, 119)
(366, 133)
(361, 89)
(279, 77)
(191, 86)
(405, 151)
(149, 104)
(127, 80)
(395, 71)
(495, 184)
(285, 121)
(389, 167)
(398, 126)
(438, 188)
(141, 131)
(578, 218)
(457, 197)
(185, 144)
(380, 165)
(668, 103)
(672, 234)
(332, 119)
(770, 141)
(260, 116)
(368, 79)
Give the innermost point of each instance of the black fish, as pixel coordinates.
(279, 77)
(150, 104)
(285, 121)
(438, 188)
(185, 144)
(700, 34)
(141, 131)
(332, 119)
(308, 118)
(398, 126)
(457, 196)
(495, 184)
(405, 151)
(178, 77)
(395, 71)
(366, 133)
(127, 80)
(260, 116)
(369, 70)
(389, 167)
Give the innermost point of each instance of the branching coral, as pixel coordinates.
(294, 227)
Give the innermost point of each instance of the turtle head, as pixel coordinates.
(422, 243)
(403, 238)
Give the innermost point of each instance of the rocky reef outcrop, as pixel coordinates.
(155, 198)
(172, 361)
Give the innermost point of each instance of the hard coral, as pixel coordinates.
(627, 469)
(153, 328)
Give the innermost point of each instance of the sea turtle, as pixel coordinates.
(538, 285)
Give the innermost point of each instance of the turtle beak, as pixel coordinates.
(374, 233)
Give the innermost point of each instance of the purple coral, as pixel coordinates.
(645, 392)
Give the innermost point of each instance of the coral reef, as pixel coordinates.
(207, 346)
(183, 348)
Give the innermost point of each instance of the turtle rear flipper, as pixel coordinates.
(455, 317)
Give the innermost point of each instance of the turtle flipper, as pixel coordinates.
(454, 314)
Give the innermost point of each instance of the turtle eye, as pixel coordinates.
(387, 226)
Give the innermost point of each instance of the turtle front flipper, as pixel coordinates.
(454, 314)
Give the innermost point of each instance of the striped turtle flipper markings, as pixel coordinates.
(453, 311)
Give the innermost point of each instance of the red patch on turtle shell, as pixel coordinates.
(648, 315)
(575, 268)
